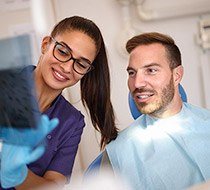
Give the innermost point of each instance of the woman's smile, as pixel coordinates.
(60, 76)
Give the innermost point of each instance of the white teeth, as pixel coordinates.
(60, 76)
(143, 96)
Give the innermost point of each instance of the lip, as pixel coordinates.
(59, 75)
(143, 97)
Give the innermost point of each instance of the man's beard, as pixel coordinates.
(160, 105)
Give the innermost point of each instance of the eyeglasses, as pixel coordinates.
(62, 53)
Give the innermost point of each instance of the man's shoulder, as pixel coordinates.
(198, 112)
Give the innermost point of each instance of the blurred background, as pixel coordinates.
(188, 22)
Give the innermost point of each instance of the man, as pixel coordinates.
(168, 146)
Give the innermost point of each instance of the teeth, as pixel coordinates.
(143, 96)
(60, 76)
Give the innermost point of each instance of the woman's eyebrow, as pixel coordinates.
(81, 58)
(63, 43)
(85, 59)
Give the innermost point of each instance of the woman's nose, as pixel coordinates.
(67, 66)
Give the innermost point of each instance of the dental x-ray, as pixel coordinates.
(18, 105)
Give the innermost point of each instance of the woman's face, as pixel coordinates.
(56, 74)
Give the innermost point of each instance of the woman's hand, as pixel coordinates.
(15, 157)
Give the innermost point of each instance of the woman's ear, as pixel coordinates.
(45, 44)
(178, 74)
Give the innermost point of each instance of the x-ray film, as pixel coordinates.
(18, 105)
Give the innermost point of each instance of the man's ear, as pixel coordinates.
(178, 74)
(45, 44)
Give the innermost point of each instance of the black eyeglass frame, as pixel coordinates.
(71, 57)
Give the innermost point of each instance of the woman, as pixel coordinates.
(74, 51)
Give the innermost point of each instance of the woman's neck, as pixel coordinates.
(45, 94)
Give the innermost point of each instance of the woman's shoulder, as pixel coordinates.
(64, 110)
(66, 104)
(70, 119)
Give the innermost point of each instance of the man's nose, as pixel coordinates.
(140, 80)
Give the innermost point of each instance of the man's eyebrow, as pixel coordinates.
(145, 66)
(152, 64)
(129, 68)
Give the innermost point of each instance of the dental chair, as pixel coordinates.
(102, 158)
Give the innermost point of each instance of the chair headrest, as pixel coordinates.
(136, 113)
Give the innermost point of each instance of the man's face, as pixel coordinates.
(151, 80)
